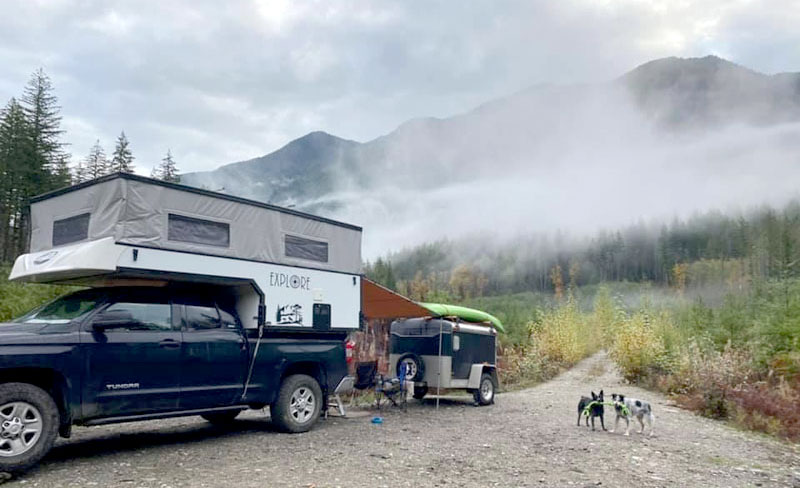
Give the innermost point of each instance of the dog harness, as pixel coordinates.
(624, 408)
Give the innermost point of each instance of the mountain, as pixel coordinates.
(298, 172)
(543, 135)
(712, 91)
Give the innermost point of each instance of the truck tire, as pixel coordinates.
(415, 366)
(484, 395)
(222, 418)
(29, 422)
(298, 405)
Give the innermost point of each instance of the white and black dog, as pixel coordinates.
(628, 408)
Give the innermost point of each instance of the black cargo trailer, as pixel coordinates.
(445, 353)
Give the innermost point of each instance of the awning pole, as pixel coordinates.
(439, 368)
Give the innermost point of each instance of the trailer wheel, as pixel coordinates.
(222, 418)
(28, 425)
(420, 392)
(298, 404)
(415, 366)
(484, 395)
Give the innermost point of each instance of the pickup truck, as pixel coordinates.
(119, 354)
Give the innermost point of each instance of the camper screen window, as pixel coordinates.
(197, 231)
(73, 229)
(300, 247)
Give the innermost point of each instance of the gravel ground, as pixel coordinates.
(529, 438)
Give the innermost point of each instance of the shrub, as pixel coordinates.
(563, 335)
(770, 407)
(638, 348)
(19, 298)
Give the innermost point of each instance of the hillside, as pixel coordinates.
(680, 94)
(711, 91)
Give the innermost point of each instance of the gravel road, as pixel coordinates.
(528, 438)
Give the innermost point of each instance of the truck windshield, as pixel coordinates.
(63, 309)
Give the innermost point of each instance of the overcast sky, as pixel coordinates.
(219, 82)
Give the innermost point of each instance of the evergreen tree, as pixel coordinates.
(42, 111)
(122, 159)
(79, 174)
(166, 170)
(95, 164)
(16, 181)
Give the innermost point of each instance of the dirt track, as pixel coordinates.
(528, 438)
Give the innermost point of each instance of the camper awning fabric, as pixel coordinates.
(148, 213)
(378, 302)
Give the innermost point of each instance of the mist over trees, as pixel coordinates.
(709, 248)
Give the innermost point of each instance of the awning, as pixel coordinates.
(378, 302)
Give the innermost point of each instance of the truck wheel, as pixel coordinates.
(298, 404)
(222, 418)
(415, 366)
(420, 392)
(28, 425)
(484, 395)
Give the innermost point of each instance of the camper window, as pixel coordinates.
(198, 231)
(72, 229)
(300, 247)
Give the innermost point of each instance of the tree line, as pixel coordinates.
(34, 159)
(705, 248)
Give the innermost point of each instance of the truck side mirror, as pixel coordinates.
(112, 319)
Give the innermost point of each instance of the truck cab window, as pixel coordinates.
(64, 309)
(200, 317)
(145, 316)
(228, 320)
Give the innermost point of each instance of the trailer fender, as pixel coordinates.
(475, 373)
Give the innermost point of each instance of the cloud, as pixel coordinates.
(220, 82)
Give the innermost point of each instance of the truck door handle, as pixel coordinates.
(169, 343)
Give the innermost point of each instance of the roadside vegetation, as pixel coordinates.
(738, 360)
(19, 298)
(734, 356)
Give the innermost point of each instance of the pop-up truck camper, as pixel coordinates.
(197, 303)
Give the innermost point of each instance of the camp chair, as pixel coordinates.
(392, 388)
(366, 372)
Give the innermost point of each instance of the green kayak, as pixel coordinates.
(468, 314)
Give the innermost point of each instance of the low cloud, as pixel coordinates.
(220, 83)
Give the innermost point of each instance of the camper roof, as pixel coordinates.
(144, 212)
(190, 189)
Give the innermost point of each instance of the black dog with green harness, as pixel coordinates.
(591, 408)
